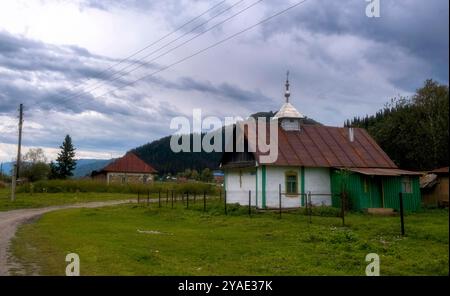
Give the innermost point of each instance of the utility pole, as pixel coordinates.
(17, 165)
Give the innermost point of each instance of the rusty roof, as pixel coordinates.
(129, 163)
(443, 170)
(384, 172)
(326, 146)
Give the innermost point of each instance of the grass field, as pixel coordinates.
(137, 240)
(38, 200)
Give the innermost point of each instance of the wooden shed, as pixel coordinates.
(434, 187)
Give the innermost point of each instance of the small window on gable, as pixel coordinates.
(291, 183)
(406, 185)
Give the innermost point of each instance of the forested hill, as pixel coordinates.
(160, 156)
(163, 159)
(414, 131)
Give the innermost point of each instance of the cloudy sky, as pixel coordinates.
(64, 61)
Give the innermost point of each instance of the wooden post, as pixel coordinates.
(402, 223)
(220, 194)
(195, 195)
(138, 196)
(204, 201)
(249, 203)
(343, 207)
(148, 197)
(187, 200)
(17, 165)
(172, 199)
(308, 200)
(225, 201)
(167, 197)
(279, 199)
(159, 198)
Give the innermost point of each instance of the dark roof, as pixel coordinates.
(443, 171)
(326, 146)
(129, 163)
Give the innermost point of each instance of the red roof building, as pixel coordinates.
(127, 169)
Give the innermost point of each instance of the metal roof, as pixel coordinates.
(384, 172)
(443, 170)
(326, 146)
(129, 163)
(288, 111)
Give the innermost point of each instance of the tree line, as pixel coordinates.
(413, 131)
(34, 165)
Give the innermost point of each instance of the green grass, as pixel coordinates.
(38, 200)
(191, 242)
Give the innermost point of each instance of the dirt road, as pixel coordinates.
(10, 220)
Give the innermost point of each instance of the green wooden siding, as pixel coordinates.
(373, 191)
(263, 183)
(302, 185)
(256, 187)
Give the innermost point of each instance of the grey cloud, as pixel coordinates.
(419, 27)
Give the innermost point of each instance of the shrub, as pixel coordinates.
(325, 211)
(85, 185)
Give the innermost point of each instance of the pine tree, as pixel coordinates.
(66, 162)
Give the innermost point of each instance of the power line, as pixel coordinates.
(206, 48)
(94, 86)
(151, 44)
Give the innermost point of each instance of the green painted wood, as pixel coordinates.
(381, 192)
(263, 177)
(256, 189)
(302, 185)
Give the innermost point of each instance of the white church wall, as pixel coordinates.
(317, 181)
(276, 176)
(238, 184)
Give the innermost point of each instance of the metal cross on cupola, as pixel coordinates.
(287, 94)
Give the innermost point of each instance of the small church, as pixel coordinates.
(315, 164)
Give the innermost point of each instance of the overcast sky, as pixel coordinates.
(53, 56)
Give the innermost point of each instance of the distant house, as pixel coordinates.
(319, 162)
(127, 169)
(434, 187)
(218, 177)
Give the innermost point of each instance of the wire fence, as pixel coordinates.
(250, 202)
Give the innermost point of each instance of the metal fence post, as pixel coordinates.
(402, 222)
(138, 197)
(148, 197)
(279, 199)
(204, 201)
(343, 207)
(308, 200)
(249, 203)
(225, 201)
(195, 195)
(187, 200)
(159, 198)
(172, 198)
(167, 197)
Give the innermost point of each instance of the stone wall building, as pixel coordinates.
(127, 169)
